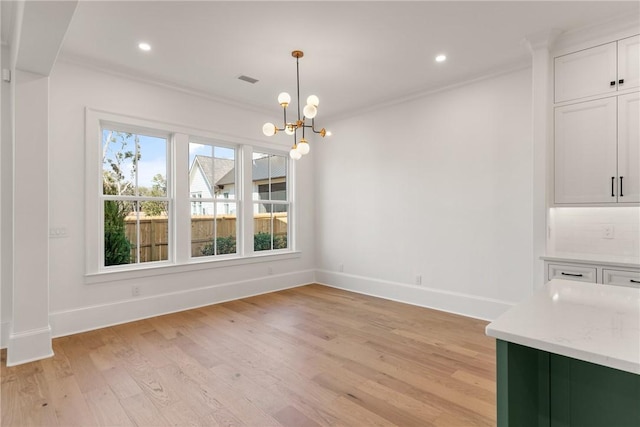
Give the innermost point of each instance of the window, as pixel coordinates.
(135, 202)
(162, 195)
(212, 183)
(271, 205)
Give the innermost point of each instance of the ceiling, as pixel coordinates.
(357, 54)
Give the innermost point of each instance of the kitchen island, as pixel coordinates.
(570, 356)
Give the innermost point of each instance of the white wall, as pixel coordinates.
(6, 224)
(75, 305)
(440, 187)
(578, 230)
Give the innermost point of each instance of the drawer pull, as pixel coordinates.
(621, 81)
(571, 274)
(613, 182)
(634, 281)
(621, 195)
(612, 83)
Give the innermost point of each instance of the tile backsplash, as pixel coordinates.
(611, 231)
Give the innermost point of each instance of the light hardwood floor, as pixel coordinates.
(309, 356)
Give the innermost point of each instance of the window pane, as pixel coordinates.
(269, 177)
(154, 233)
(118, 162)
(270, 229)
(212, 171)
(278, 177)
(152, 166)
(202, 230)
(213, 235)
(118, 232)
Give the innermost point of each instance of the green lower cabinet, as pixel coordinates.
(537, 388)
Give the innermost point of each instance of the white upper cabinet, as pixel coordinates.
(629, 63)
(599, 70)
(585, 152)
(585, 73)
(629, 148)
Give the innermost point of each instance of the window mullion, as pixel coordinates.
(182, 205)
(247, 195)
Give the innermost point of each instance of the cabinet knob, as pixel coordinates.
(621, 81)
(613, 83)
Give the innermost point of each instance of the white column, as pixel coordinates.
(542, 124)
(30, 336)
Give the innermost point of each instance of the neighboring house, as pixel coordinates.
(263, 168)
(216, 179)
(204, 176)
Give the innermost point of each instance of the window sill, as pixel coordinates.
(194, 265)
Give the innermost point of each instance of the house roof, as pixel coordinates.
(260, 170)
(214, 170)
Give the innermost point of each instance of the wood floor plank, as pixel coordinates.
(106, 408)
(307, 356)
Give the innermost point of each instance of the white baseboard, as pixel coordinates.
(28, 346)
(99, 316)
(4, 334)
(452, 302)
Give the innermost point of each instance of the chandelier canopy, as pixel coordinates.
(300, 147)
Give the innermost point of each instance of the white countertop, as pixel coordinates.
(600, 259)
(586, 321)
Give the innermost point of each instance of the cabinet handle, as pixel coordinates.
(621, 81)
(613, 183)
(571, 274)
(613, 83)
(634, 281)
(621, 195)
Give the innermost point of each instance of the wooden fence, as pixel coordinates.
(154, 232)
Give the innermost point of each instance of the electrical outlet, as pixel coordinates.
(135, 291)
(419, 280)
(57, 232)
(607, 231)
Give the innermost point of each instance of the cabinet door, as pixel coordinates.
(586, 73)
(629, 62)
(629, 148)
(585, 152)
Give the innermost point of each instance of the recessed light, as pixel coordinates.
(144, 46)
(441, 58)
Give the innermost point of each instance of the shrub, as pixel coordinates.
(226, 245)
(261, 242)
(117, 248)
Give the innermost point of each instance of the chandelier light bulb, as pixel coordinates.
(294, 153)
(284, 99)
(310, 111)
(269, 129)
(303, 147)
(289, 129)
(313, 100)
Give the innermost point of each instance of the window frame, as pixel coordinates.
(168, 199)
(180, 259)
(237, 200)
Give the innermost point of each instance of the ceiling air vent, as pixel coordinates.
(247, 79)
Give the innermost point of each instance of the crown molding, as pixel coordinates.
(615, 28)
(541, 40)
(136, 76)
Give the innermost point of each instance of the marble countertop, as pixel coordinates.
(604, 260)
(586, 321)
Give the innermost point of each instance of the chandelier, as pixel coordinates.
(300, 147)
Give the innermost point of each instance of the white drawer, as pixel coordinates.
(621, 278)
(572, 272)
